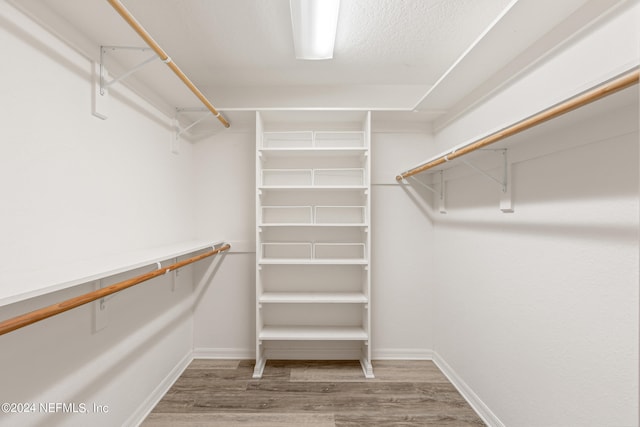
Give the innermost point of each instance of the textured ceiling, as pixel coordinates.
(389, 53)
(248, 42)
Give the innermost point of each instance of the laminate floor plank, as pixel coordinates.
(385, 371)
(318, 393)
(214, 364)
(237, 420)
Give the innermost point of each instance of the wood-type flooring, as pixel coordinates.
(216, 393)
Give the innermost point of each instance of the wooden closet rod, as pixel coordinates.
(119, 7)
(580, 100)
(45, 312)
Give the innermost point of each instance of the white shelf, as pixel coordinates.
(309, 251)
(313, 152)
(314, 215)
(314, 297)
(313, 187)
(314, 333)
(20, 285)
(316, 177)
(301, 224)
(299, 261)
(311, 139)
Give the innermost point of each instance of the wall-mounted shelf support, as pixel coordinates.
(506, 205)
(176, 273)
(428, 187)
(501, 183)
(441, 207)
(100, 317)
(104, 84)
(440, 193)
(101, 80)
(179, 131)
(135, 25)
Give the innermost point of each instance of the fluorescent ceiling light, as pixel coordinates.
(314, 25)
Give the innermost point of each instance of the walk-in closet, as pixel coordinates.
(330, 213)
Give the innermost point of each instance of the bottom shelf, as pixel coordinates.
(314, 333)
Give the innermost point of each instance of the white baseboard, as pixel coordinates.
(158, 393)
(401, 354)
(474, 401)
(315, 353)
(290, 353)
(223, 353)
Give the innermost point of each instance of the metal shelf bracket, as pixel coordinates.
(175, 143)
(101, 77)
(100, 317)
(441, 207)
(440, 193)
(104, 84)
(506, 204)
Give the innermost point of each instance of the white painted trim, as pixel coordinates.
(467, 393)
(377, 354)
(313, 353)
(223, 353)
(145, 408)
(402, 354)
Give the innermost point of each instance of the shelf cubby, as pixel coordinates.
(287, 250)
(339, 215)
(338, 177)
(287, 215)
(325, 139)
(338, 251)
(287, 139)
(287, 177)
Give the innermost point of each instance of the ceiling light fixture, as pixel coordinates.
(314, 25)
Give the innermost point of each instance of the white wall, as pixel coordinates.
(401, 241)
(225, 207)
(76, 187)
(537, 310)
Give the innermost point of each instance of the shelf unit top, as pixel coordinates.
(313, 333)
(21, 285)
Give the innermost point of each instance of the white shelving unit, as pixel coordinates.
(313, 237)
